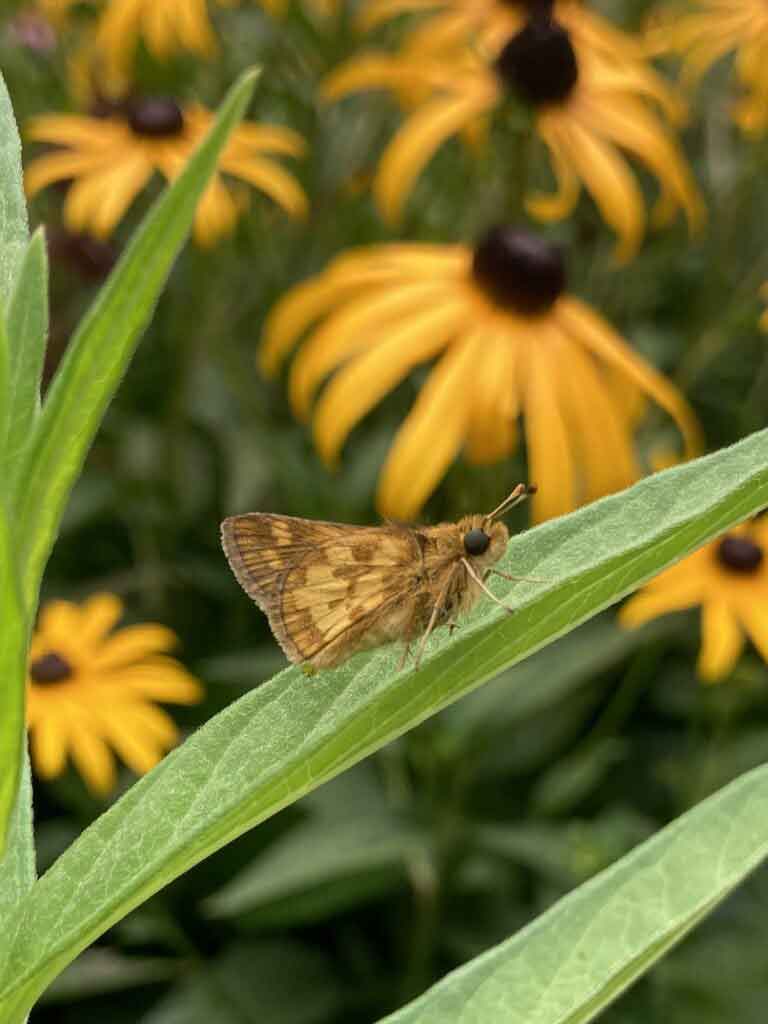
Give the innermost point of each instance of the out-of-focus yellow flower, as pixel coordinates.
(704, 31)
(729, 579)
(588, 109)
(92, 690)
(166, 26)
(512, 343)
(111, 159)
(488, 24)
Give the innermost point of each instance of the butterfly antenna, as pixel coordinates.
(519, 494)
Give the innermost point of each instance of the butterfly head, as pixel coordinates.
(483, 541)
(485, 538)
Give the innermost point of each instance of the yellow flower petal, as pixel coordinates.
(599, 430)
(721, 641)
(216, 214)
(59, 622)
(754, 614)
(416, 142)
(48, 746)
(550, 456)
(127, 179)
(84, 133)
(561, 203)
(629, 124)
(95, 203)
(610, 182)
(357, 326)
(364, 382)
(132, 644)
(492, 433)
(129, 738)
(651, 602)
(365, 72)
(266, 138)
(93, 759)
(432, 433)
(100, 614)
(296, 311)
(161, 679)
(581, 322)
(271, 179)
(193, 27)
(59, 167)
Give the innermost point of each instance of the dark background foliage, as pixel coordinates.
(355, 900)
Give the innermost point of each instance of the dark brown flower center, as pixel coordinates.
(739, 554)
(539, 63)
(156, 117)
(50, 668)
(519, 271)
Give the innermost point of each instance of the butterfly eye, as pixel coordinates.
(476, 542)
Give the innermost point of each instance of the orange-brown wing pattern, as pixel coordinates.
(327, 589)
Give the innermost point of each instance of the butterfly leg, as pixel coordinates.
(433, 619)
(517, 579)
(467, 565)
(406, 655)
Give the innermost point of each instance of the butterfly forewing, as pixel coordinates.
(327, 589)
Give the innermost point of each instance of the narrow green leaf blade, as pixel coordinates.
(13, 657)
(27, 332)
(104, 343)
(290, 735)
(13, 208)
(573, 960)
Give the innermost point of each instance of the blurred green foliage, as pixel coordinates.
(355, 900)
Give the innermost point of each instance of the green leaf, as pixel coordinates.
(573, 960)
(5, 395)
(13, 676)
(17, 864)
(102, 347)
(290, 735)
(13, 208)
(27, 332)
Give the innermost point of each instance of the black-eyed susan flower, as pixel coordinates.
(92, 691)
(728, 579)
(488, 24)
(588, 109)
(511, 343)
(110, 159)
(705, 31)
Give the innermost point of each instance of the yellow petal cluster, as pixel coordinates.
(376, 313)
(705, 31)
(106, 703)
(734, 604)
(165, 27)
(109, 165)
